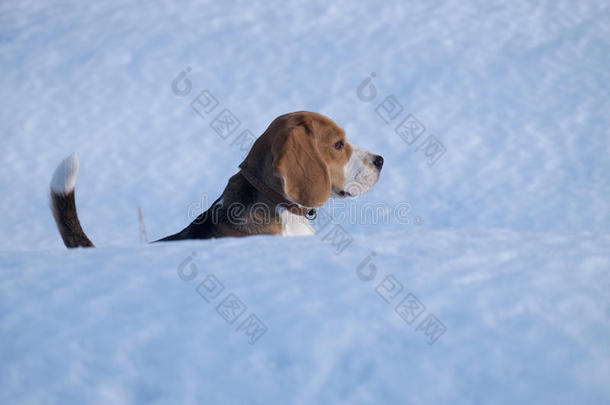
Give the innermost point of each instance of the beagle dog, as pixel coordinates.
(296, 165)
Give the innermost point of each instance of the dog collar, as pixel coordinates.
(309, 213)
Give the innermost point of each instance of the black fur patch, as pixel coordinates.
(64, 212)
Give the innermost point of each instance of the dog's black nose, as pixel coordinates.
(378, 161)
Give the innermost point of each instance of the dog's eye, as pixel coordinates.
(339, 145)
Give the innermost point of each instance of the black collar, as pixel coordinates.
(277, 198)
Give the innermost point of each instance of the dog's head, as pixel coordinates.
(306, 157)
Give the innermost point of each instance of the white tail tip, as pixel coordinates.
(65, 175)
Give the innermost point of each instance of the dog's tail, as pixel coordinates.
(63, 205)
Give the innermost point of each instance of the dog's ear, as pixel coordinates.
(298, 163)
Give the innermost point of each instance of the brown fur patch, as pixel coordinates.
(64, 212)
(303, 164)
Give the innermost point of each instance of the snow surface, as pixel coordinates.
(526, 320)
(505, 239)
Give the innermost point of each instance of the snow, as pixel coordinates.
(491, 211)
(526, 319)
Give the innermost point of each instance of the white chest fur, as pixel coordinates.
(295, 225)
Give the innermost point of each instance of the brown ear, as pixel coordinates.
(297, 161)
